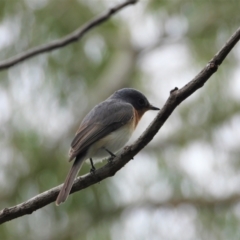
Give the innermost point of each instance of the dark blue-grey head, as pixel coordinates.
(134, 97)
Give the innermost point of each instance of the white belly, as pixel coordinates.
(113, 142)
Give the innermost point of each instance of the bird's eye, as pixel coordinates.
(141, 102)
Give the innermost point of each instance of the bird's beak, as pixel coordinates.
(151, 107)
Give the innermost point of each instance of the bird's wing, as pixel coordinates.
(98, 124)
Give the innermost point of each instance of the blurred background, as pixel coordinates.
(186, 183)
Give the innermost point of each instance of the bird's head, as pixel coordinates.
(135, 98)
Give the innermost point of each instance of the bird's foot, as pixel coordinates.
(110, 159)
(93, 169)
(112, 154)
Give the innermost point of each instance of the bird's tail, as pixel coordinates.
(67, 186)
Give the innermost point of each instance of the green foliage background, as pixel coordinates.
(175, 188)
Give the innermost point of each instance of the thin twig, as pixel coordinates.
(175, 98)
(70, 38)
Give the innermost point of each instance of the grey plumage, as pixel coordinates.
(108, 125)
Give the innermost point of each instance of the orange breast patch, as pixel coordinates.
(137, 116)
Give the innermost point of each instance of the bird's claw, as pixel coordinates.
(110, 160)
(92, 170)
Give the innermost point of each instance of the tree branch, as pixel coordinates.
(70, 38)
(175, 98)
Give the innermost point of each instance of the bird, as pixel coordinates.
(104, 131)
